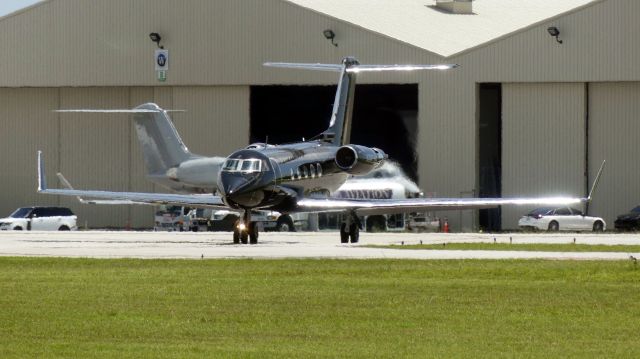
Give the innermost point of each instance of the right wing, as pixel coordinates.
(66, 183)
(192, 200)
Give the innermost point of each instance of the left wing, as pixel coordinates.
(193, 200)
(390, 206)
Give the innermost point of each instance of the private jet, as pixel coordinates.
(288, 178)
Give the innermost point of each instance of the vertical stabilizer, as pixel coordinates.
(161, 144)
(339, 131)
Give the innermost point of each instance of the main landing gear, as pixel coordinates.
(245, 231)
(350, 228)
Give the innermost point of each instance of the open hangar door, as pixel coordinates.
(384, 116)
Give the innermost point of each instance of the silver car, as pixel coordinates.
(561, 219)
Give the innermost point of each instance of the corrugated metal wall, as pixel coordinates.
(543, 131)
(614, 126)
(99, 151)
(28, 125)
(216, 51)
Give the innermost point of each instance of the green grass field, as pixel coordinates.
(318, 308)
(543, 247)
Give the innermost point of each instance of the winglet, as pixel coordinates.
(596, 181)
(66, 183)
(42, 180)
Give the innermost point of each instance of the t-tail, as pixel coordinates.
(167, 159)
(161, 144)
(339, 131)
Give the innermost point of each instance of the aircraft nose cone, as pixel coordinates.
(234, 185)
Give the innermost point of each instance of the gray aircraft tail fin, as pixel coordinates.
(339, 131)
(161, 144)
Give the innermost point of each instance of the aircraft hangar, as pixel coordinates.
(546, 90)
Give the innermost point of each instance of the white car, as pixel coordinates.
(561, 219)
(40, 219)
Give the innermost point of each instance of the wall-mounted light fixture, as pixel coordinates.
(155, 37)
(330, 35)
(553, 31)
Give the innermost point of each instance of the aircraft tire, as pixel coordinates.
(354, 233)
(236, 236)
(244, 237)
(253, 233)
(344, 235)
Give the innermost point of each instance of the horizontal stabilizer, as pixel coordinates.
(116, 111)
(319, 67)
(359, 68)
(378, 68)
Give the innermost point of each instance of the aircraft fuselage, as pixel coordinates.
(304, 169)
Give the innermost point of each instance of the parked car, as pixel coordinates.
(628, 221)
(40, 219)
(421, 222)
(561, 219)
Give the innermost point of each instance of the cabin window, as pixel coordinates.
(319, 169)
(312, 170)
(305, 173)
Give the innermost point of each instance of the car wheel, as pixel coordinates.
(18, 228)
(63, 228)
(598, 226)
(285, 224)
(553, 226)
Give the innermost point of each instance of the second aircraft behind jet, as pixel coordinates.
(296, 177)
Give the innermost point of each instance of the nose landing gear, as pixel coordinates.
(245, 231)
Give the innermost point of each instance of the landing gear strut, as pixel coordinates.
(350, 228)
(245, 231)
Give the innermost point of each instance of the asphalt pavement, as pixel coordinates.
(114, 244)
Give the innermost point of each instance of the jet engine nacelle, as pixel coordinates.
(359, 160)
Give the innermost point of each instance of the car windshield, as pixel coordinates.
(540, 211)
(21, 213)
(249, 165)
(637, 209)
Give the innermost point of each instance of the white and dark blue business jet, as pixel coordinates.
(294, 177)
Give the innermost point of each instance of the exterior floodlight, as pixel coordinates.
(330, 35)
(553, 31)
(155, 37)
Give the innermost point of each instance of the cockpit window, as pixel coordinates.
(250, 165)
(230, 165)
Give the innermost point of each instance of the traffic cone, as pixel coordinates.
(445, 227)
